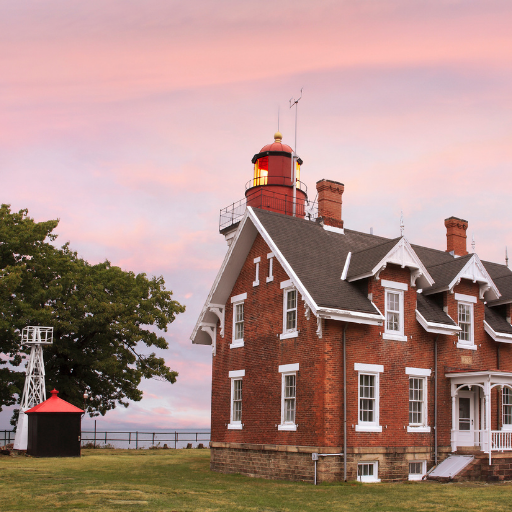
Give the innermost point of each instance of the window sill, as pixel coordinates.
(413, 478)
(467, 347)
(506, 428)
(270, 279)
(288, 427)
(235, 426)
(368, 428)
(394, 337)
(255, 283)
(418, 429)
(288, 335)
(237, 344)
(366, 480)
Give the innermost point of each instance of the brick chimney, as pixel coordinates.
(329, 202)
(456, 235)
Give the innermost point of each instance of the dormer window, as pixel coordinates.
(394, 310)
(465, 320)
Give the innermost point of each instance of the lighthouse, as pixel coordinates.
(275, 185)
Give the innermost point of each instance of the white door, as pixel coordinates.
(466, 418)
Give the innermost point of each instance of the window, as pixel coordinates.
(289, 310)
(507, 409)
(238, 320)
(417, 468)
(465, 320)
(288, 396)
(368, 397)
(368, 471)
(235, 421)
(394, 310)
(256, 281)
(418, 399)
(270, 257)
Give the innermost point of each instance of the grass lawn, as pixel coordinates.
(180, 480)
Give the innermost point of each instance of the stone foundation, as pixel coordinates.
(295, 463)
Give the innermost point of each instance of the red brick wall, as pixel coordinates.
(319, 404)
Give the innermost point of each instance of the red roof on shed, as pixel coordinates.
(54, 404)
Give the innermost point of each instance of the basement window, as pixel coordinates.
(417, 468)
(368, 472)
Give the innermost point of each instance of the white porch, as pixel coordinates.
(471, 411)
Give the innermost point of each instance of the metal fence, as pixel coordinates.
(98, 439)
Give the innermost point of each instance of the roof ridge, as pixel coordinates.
(451, 261)
(376, 245)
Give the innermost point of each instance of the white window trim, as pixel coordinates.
(416, 477)
(270, 257)
(256, 281)
(288, 369)
(369, 479)
(420, 373)
(287, 286)
(235, 375)
(460, 297)
(369, 369)
(399, 288)
(507, 427)
(469, 345)
(236, 300)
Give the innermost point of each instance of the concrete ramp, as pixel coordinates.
(451, 466)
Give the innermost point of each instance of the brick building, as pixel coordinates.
(378, 355)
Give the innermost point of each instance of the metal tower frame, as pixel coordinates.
(34, 390)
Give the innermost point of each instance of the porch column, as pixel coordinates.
(487, 393)
(454, 420)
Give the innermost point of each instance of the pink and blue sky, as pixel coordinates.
(134, 122)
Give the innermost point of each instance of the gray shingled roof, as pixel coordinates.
(318, 256)
(363, 261)
(496, 321)
(444, 273)
(431, 311)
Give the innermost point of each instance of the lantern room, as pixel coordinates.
(276, 170)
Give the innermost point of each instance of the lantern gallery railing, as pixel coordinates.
(233, 213)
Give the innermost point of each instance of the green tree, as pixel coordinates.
(103, 318)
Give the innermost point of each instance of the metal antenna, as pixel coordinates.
(292, 103)
(402, 226)
(294, 153)
(506, 256)
(473, 242)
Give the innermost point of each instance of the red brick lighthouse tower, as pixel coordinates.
(275, 186)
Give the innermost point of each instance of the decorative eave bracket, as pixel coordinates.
(220, 311)
(211, 329)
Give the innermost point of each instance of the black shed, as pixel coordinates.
(54, 428)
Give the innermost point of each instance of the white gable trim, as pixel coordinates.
(474, 271)
(435, 327)
(502, 337)
(282, 260)
(207, 316)
(401, 254)
(346, 266)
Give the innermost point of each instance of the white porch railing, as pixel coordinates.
(501, 440)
